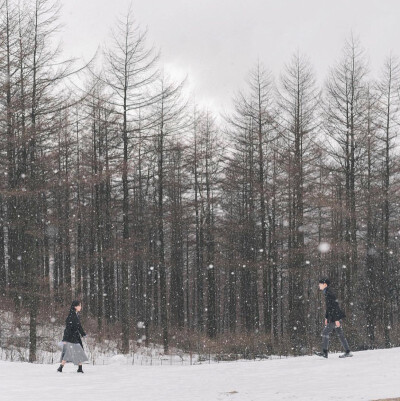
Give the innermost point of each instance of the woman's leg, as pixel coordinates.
(62, 364)
(60, 368)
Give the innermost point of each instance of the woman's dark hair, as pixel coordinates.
(74, 304)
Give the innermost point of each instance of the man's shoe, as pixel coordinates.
(324, 353)
(347, 354)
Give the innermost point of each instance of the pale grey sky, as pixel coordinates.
(216, 42)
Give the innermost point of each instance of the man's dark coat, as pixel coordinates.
(333, 312)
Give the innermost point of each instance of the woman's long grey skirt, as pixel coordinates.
(73, 353)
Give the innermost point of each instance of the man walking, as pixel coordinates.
(333, 318)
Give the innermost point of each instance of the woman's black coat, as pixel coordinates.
(333, 312)
(73, 330)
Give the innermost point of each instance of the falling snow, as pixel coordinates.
(324, 247)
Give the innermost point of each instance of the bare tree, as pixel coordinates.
(345, 106)
(168, 121)
(298, 103)
(130, 70)
(389, 121)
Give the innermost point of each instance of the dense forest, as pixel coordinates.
(163, 217)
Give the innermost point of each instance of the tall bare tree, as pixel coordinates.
(129, 71)
(298, 103)
(345, 116)
(388, 90)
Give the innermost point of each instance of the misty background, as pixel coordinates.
(215, 43)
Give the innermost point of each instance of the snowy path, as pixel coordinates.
(368, 375)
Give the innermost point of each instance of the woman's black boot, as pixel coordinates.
(60, 368)
(80, 369)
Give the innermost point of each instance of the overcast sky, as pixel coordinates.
(216, 42)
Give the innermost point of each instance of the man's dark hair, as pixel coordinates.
(325, 280)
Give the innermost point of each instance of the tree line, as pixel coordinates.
(119, 190)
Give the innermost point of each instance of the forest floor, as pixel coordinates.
(369, 375)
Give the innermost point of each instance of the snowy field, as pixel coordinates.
(369, 375)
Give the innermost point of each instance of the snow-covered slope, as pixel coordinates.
(368, 375)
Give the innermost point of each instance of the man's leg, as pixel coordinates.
(326, 332)
(342, 338)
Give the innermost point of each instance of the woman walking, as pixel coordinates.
(72, 344)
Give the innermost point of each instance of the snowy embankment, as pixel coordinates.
(369, 375)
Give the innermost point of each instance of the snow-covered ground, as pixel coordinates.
(369, 375)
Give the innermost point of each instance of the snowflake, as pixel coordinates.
(324, 247)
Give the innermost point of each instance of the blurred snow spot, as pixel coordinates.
(324, 247)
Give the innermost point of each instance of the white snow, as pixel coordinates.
(369, 375)
(324, 247)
